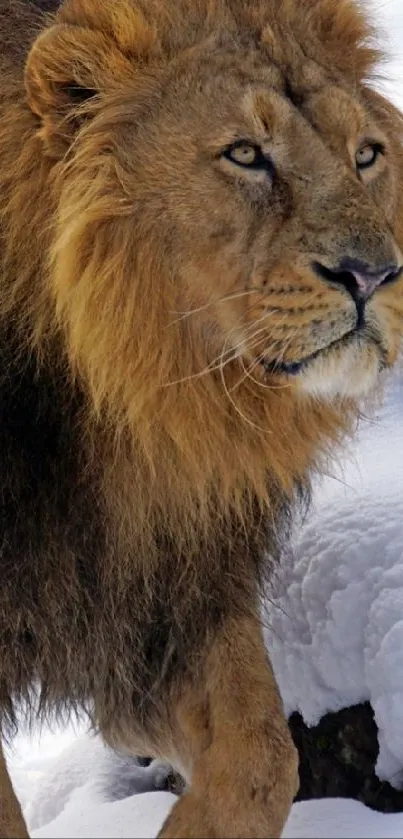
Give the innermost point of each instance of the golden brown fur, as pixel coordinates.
(174, 363)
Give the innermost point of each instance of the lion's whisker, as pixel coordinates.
(261, 384)
(225, 356)
(226, 297)
(214, 365)
(238, 410)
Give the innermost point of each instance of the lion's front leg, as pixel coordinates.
(242, 762)
(12, 825)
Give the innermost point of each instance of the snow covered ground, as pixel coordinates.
(335, 638)
(84, 794)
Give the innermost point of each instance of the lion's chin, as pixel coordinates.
(351, 372)
(347, 368)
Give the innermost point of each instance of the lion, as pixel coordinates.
(201, 221)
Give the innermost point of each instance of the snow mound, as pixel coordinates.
(105, 776)
(136, 817)
(335, 623)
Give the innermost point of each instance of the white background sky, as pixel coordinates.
(390, 15)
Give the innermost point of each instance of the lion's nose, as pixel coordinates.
(359, 278)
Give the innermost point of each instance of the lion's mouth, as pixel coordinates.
(293, 368)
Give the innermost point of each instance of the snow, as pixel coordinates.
(338, 818)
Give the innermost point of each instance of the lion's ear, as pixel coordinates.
(66, 66)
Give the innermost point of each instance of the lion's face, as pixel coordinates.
(283, 216)
(261, 182)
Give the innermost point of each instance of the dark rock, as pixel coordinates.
(338, 756)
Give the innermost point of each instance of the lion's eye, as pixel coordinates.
(247, 155)
(367, 155)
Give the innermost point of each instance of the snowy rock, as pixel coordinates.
(335, 621)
